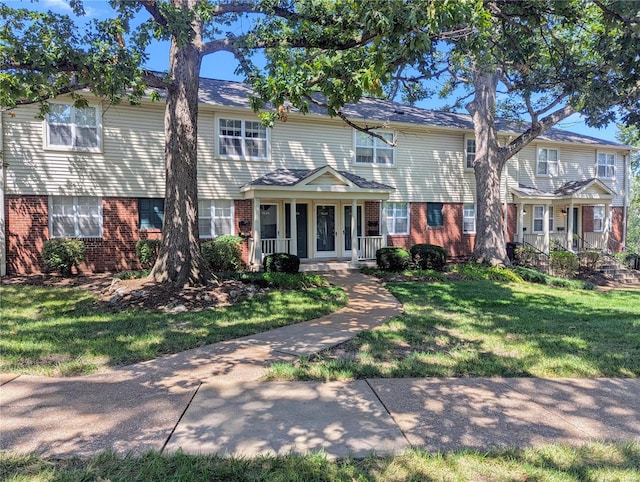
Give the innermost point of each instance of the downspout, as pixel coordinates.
(3, 240)
(625, 200)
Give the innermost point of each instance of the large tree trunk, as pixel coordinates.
(490, 159)
(180, 260)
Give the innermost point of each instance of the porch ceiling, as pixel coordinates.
(322, 183)
(580, 192)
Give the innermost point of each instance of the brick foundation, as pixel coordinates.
(26, 228)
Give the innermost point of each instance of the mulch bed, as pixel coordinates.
(115, 294)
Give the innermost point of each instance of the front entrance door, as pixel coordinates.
(347, 228)
(575, 228)
(301, 227)
(325, 231)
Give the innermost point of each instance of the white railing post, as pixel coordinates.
(294, 228)
(257, 253)
(354, 232)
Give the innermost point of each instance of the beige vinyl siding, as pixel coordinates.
(576, 163)
(131, 162)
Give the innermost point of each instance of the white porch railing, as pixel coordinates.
(537, 240)
(368, 245)
(275, 245)
(594, 240)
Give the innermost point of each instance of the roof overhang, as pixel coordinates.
(324, 183)
(589, 191)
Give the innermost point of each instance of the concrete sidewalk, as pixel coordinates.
(210, 400)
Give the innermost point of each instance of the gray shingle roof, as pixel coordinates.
(284, 177)
(567, 189)
(236, 94)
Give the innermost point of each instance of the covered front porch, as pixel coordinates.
(317, 214)
(574, 217)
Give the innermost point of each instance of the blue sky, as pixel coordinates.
(222, 65)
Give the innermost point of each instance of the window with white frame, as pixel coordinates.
(371, 150)
(469, 218)
(72, 128)
(606, 164)
(397, 218)
(215, 217)
(598, 219)
(242, 139)
(470, 153)
(547, 162)
(538, 219)
(75, 217)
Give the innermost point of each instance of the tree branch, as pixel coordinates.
(152, 7)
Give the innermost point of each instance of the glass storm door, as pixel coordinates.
(347, 228)
(301, 227)
(325, 231)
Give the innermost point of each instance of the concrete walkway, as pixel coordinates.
(210, 400)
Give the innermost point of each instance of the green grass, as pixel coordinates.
(489, 328)
(55, 331)
(592, 462)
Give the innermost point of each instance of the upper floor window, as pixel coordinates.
(606, 164)
(150, 213)
(598, 219)
(75, 217)
(371, 150)
(242, 139)
(73, 128)
(434, 214)
(398, 218)
(538, 219)
(547, 162)
(470, 153)
(469, 218)
(215, 217)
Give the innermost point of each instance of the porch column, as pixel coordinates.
(520, 229)
(606, 226)
(354, 232)
(383, 223)
(545, 229)
(257, 242)
(293, 246)
(570, 227)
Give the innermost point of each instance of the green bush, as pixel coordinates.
(224, 253)
(281, 263)
(564, 263)
(135, 274)
(477, 272)
(62, 255)
(147, 251)
(526, 255)
(393, 258)
(429, 256)
(531, 275)
(590, 258)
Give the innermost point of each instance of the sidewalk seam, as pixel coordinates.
(366, 380)
(195, 392)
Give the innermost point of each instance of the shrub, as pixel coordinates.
(563, 263)
(281, 263)
(147, 251)
(62, 255)
(429, 256)
(477, 272)
(294, 281)
(135, 274)
(531, 275)
(526, 255)
(590, 258)
(224, 253)
(392, 259)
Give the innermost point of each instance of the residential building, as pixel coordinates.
(310, 185)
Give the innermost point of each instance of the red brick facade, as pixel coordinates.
(27, 228)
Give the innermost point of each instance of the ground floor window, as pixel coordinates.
(469, 218)
(150, 213)
(434, 214)
(75, 217)
(397, 218)
(538, 219)
(215, 217)
(598, 219)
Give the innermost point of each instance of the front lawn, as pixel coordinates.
(489, 328)
(63, 331)
(592, 462)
